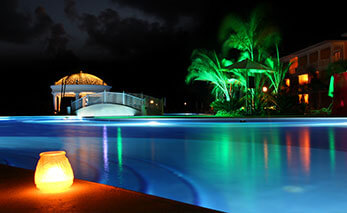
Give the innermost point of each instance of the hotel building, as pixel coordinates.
(307, 77)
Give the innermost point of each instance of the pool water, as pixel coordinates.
(260, 165)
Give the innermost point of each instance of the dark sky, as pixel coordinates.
(134, 45)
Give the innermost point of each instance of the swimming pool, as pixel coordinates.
(260, 165)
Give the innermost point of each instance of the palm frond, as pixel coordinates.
(206, 66)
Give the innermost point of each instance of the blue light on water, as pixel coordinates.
(4, 118)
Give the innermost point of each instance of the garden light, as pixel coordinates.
(264, 89)
(53, 172)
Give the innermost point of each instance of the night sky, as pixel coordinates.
(134, 45)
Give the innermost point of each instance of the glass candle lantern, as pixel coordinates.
(53, 172)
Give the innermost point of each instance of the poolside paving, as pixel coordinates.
(18, 194)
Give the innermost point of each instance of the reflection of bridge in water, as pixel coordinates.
(117, 104)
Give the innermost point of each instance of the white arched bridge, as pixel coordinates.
(117, 104)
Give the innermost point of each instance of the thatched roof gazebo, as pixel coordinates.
(76, 85)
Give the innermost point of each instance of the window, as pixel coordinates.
(306, 98)
(325, 53)
(313, 58)
(287, 81)
(302, 61)
(303, 79)
(303, 98)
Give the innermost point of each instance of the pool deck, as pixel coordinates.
(18, 194)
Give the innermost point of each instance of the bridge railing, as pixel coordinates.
(108, 98)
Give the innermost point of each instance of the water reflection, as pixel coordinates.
(332, 148)
(265, 154)
(289, 149)
(105, 145)
(119, 149)
(305, 152)
(152, 150)
(84, 153)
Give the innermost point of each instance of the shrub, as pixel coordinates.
(228, 106)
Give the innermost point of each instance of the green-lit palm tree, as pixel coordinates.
(207, 66)
(252, 38)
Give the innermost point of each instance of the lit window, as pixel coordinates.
(293, 65)
(306, 98)
(303, 98)
(303, 79)
(287, 80)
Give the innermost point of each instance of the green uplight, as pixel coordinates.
(331, 87)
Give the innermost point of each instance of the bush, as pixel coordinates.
(227, 106)
(323, 111)
(236, 113)
(287, 104)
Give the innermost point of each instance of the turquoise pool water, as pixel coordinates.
(260, 165)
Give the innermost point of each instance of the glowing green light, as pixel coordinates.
(331, 87)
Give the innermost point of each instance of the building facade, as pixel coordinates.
(307, 77)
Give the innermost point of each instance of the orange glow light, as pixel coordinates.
(53, 172)
(264, 89)
(287, 82)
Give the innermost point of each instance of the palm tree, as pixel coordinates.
(250, 37)
(206, 66)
